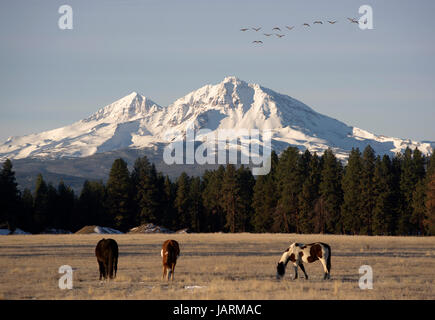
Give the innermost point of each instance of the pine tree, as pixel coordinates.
(352, 202)
(429, 181)
(92, 206)
(331, 194)
(265, 198)
(64, 207)
(289, 177)
(418, 163)
(9, 196)
(26, 221)
(431, 164)
(230, 195)
(52, 206)
(149, 194)
(396, 194)
(182, 202)
(383, 212)
(212, 199)
(246, 182)
(320, 215)
(367, 190)
(412, 171)
(407, 183)
(429, 221)
(195, 208)
(309, 195)
(419, 207)
(40, 205)
(170, 190)
(119, 196)
(419, 193)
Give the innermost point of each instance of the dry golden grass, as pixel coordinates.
(215, 266)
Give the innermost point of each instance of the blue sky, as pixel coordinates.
(380, 80)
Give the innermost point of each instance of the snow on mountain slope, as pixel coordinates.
(110, 128)
(137, 122)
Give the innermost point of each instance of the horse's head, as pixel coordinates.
(280, 270)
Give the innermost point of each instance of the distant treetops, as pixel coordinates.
(303, 193)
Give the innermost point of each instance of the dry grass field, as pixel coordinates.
(216, 266)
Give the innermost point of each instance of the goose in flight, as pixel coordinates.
(267, 34)
(306, 24)
(318, 22)
(256, 29)
(276, 28)
(279, 35)
(352, 20)
(332, 22)
(257, 41)
(244, 29)
(289, 27)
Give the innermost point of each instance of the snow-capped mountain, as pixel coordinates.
(137, 122)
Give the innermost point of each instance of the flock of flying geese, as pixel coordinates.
(279, 35)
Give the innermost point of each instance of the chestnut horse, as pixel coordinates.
(170, 252)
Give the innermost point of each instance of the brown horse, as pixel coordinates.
(298, 253)
(107, 258)
(170, 252)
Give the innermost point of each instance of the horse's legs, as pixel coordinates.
(303, 269)
(105, 269)
(164, 273)
(296, 270)
(101, 267)
(172, 271)
(326, 275)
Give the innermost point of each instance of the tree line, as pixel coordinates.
(303, 193)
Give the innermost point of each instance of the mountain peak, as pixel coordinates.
(234, 80)
(131, 97)
(231, 79)
(129, 107)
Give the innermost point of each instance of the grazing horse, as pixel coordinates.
(107, 257)
(170, 252)
(298, 253)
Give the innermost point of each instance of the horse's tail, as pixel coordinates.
(110, 266)
(109, 270)
(328, 260)
(116, 264)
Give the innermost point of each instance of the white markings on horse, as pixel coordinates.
(298, 253)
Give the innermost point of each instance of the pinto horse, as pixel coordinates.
(298, 253)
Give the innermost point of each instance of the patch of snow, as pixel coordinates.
(56, 231)
(19, 231)
(97, 230)
(150, 228)
(193, 287)
(4, 232)
(106, 230)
